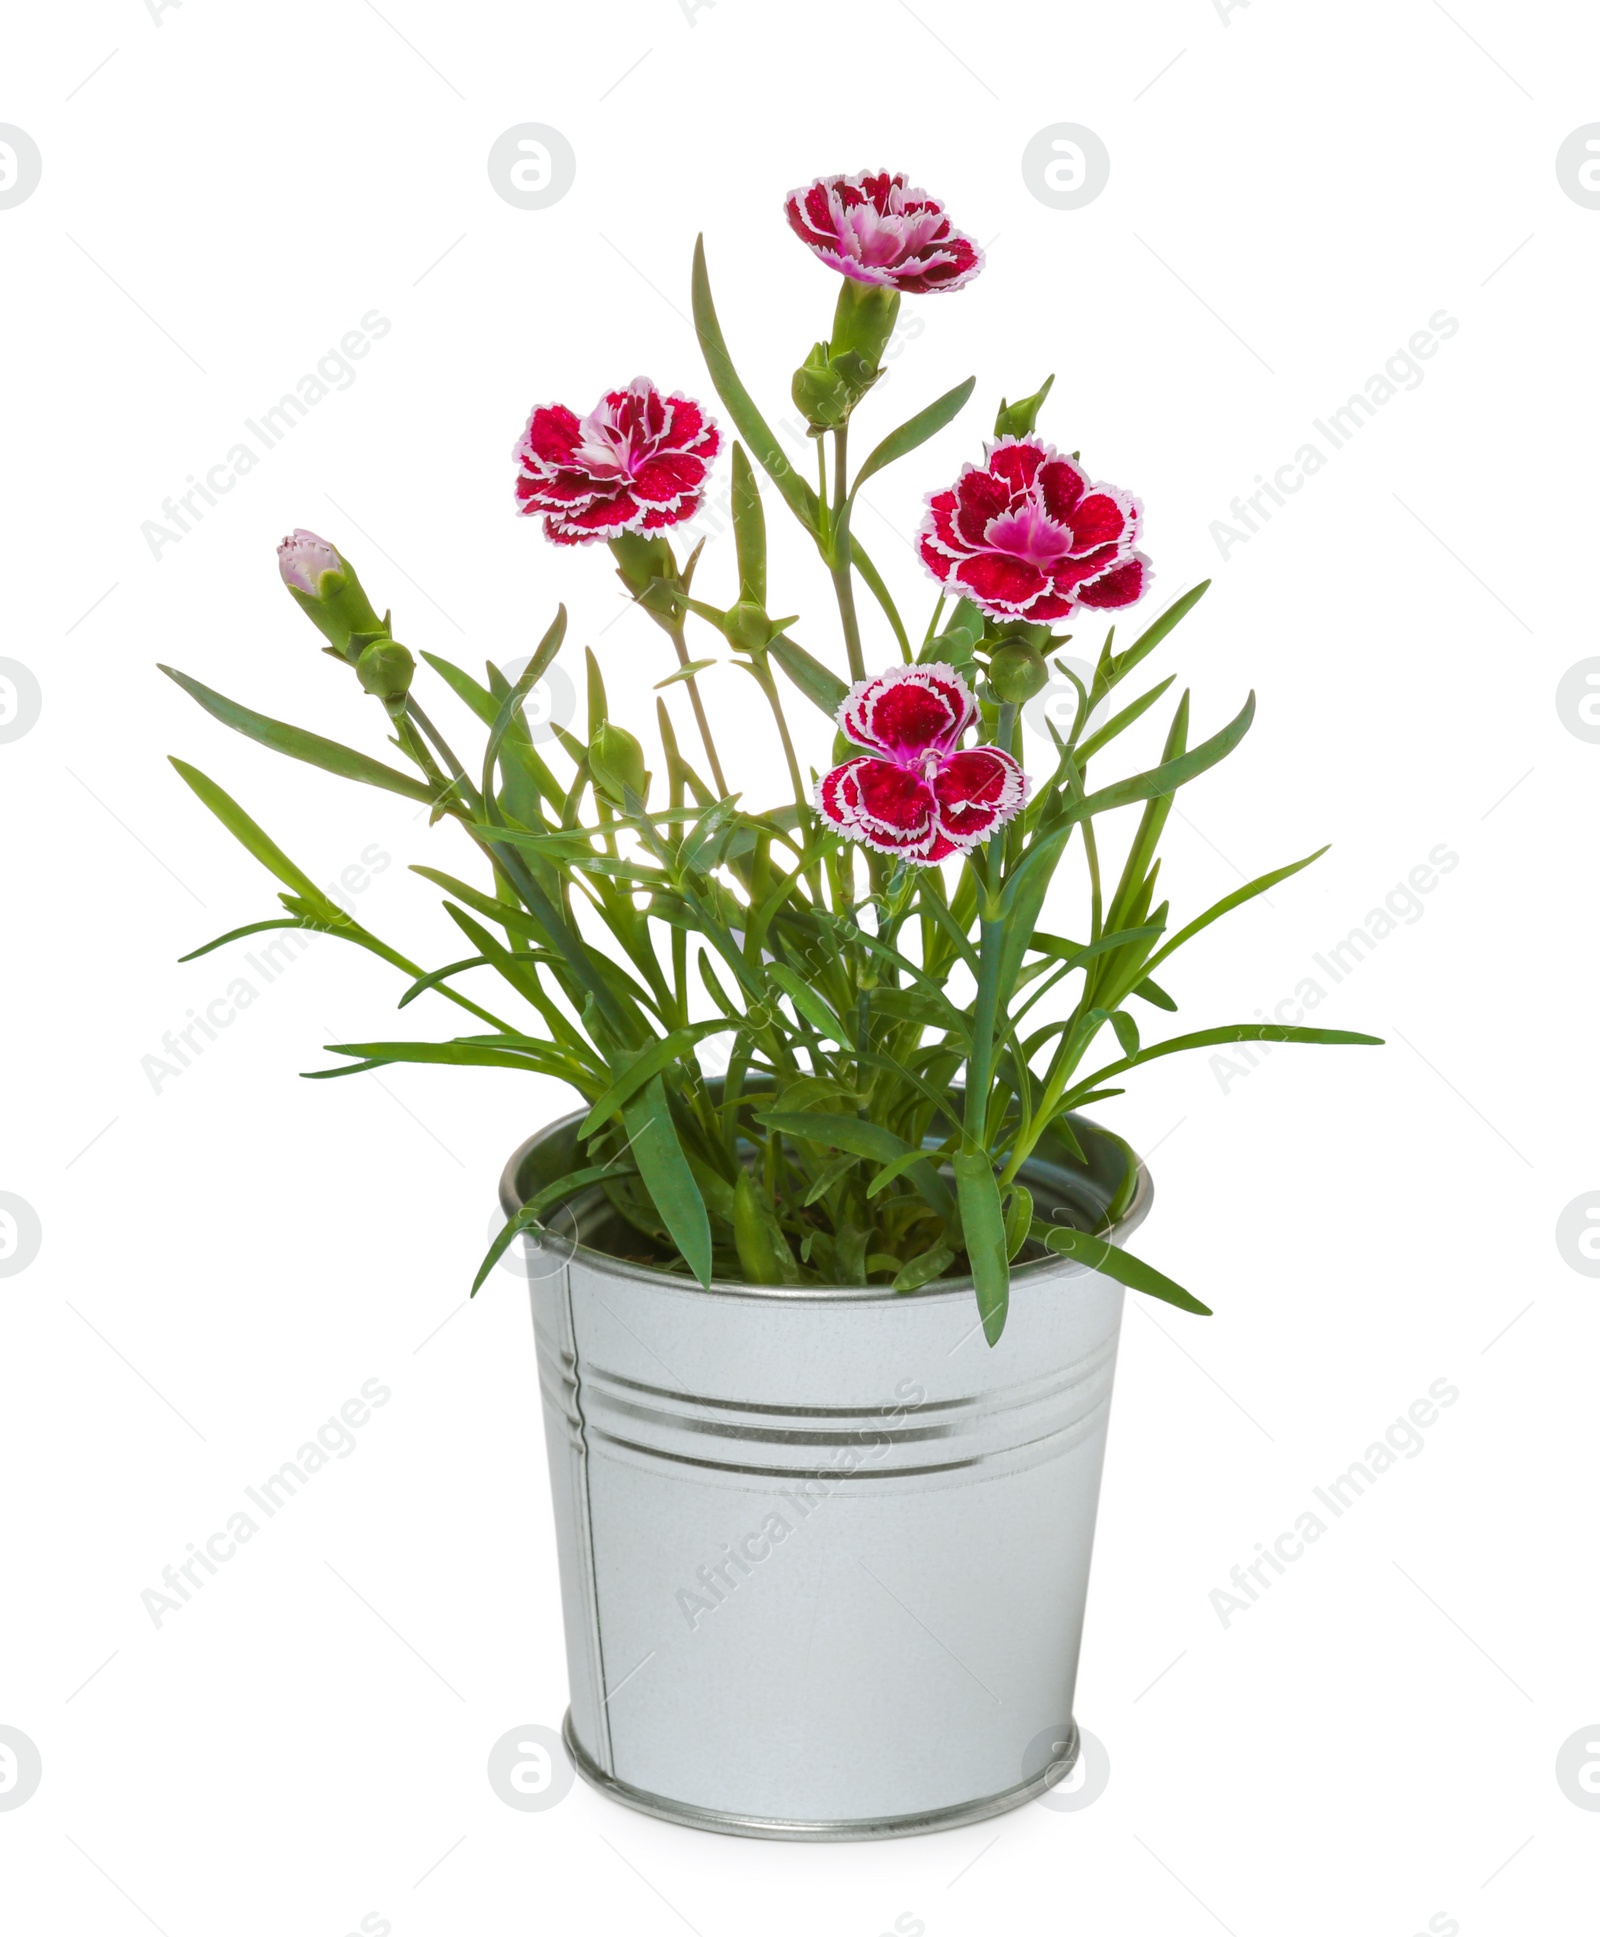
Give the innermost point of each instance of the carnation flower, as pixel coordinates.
(874, 228)
(637, 462)
(1027, 536)
(913, 793)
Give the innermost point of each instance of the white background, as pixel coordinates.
(1295, 190)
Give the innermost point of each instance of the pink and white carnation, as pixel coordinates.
(637, 462)
(876, 228)
(1027, 536)
(914, 792)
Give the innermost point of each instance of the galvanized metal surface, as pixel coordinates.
(824, 1554)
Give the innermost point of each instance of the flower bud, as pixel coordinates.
(1017, 671)
(1018, 419)
(327, 590)
(748, 626)
(385, 669)
(616, 760)
(823, 391)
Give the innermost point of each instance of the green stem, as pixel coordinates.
(700, 715)
(442, 747)
(770, 687)
(839, 558)
(980, 1066)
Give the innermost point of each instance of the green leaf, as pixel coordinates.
(1105, 1258)
(700, 848)
(540, 1059)
(749, 531)
(807, 1092)
(809, 1004)
(1233, 1032)
(829, 1176)
(466, 689)
(1231, 901)
(1074, 954)
(1019, 1217)
(748, 421)
(924, 1268)
(1121, 721)
(300, 745)
(509, 711)
(823, 688)
(650, 1062)
(1171, 774)
(914, 431)
(1127, 1031)
(536, 1206)
(893, 1171)
(763, 1249)
(861, 1139)
(983, 1227)
(685, 672)
(257, 842)
(664, 1169)
(1124, 662)
(880, 591)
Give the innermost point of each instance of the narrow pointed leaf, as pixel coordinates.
(983, 1227)
(1105, 1258)
(653, 1144)
(748, 421)
(914, 431)
(300, 745)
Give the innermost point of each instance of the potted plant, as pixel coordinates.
(826, 1339)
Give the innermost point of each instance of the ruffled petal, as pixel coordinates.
(1061, 485)
(907, 712)
(1000, 583)
(980, 498)
(978, 791)
(878, 803)
(551, 435)
(937, 562)
(1123, 584)
(1105, 517)
(1016, 461)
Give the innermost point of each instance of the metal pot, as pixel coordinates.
(824, 1553)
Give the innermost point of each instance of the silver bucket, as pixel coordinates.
(824, 1553)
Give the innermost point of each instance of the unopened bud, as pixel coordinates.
(385, 669)
(325, 587)
(1018, 419)
(1017, 671)
(824, 393)
(748, 626)
(616, 760)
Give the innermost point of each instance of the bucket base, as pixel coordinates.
(777, 1829)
